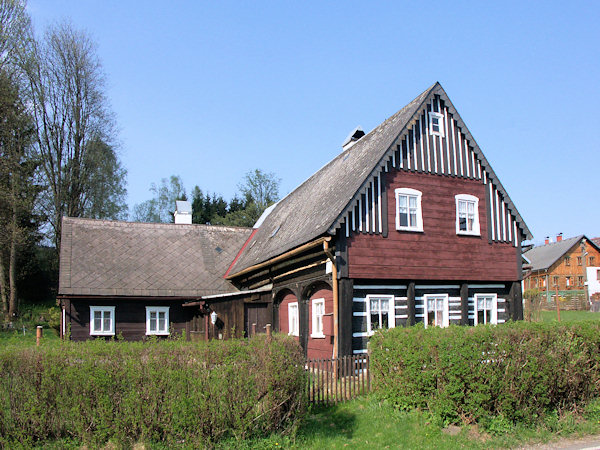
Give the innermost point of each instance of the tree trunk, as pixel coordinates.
(3, 293)
(13, 304)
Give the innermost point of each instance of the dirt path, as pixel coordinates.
(584, 443)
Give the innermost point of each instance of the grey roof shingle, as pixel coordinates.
(101, 257)
(543, 256)
(317, 205)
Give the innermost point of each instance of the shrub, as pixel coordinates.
(518, 372)
(169, 391)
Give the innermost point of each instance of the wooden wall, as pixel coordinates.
(320, 347)
(130, 317)
(283, 313)
(437, 253)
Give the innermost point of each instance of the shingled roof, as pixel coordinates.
(544, 256)
(101, 257)
(319, 204)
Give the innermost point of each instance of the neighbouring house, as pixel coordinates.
(570, 266)
(407, 224)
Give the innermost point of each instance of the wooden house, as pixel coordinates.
(131, 280)
(407, 224)
(570, 267)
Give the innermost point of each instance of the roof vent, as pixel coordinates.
(559, 237)
(183, 212)
(353, 137)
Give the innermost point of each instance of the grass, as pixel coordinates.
(365, 422)
(23, 331)
(569, 316)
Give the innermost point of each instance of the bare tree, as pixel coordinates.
(72, 115)
(15, 34)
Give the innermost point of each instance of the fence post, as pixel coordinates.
(268, 328)
(38, 336)
(253, 329)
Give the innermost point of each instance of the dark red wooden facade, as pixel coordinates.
(437, 253)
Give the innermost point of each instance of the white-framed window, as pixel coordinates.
(293, 319)
(467, 214)
(157, 320)
(380, 312)
(318, 311)
(102, 320)
(486, 308)
(436, 124)
(436, 310)
(409, 216)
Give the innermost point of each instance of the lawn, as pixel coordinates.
(365, 422)
(23, 330)
(570, 316)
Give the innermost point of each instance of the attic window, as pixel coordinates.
(436, 124)
(218, 249)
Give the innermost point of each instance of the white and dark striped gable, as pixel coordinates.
(452, 153)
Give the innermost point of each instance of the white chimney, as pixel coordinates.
(183, 212)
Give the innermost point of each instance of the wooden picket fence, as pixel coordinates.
(339, 379)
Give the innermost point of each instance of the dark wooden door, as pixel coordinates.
(255, 313)
(198, 327)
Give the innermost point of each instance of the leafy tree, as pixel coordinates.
(161, 207)
(75, 129)
(18, 189)
(259, 190)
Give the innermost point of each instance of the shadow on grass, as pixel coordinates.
(328, 422)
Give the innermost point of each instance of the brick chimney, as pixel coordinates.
(559, 237)
(547, 241)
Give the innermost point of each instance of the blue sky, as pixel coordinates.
(210, 90)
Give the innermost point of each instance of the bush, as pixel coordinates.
(169, 391)
(518, 372)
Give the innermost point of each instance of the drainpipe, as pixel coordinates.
(334, 281)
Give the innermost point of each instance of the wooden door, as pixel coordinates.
(255, 313)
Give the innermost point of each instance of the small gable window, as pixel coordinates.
(157, 320)
(436, 124)
(293, 320)
(486, 308)
(102, 320)
(409, 216)
(467, 215)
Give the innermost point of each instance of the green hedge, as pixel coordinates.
(170, 391)
(517, 371)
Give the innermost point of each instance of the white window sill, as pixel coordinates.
(292, 334)
(317, 336)
(157, 334)
(414, 230)
(468, 233)
(98, 333)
